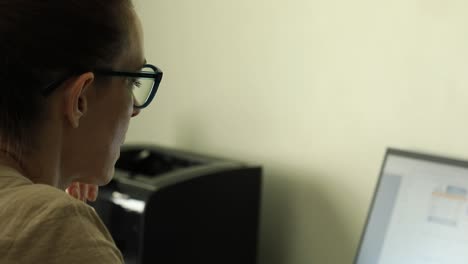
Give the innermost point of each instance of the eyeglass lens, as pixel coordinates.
(142, 87)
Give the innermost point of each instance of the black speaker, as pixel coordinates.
(170, 206)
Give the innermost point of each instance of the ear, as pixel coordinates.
(76, 97)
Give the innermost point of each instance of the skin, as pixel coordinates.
(86, 125)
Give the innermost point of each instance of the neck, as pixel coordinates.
(9, 159)
(43, 162)
(36, 167)
(40, 164)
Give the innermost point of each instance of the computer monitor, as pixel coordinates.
(419, 213)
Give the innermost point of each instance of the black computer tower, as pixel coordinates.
(168, 206)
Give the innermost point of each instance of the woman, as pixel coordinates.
(72, 74)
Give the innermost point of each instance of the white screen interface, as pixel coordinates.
(419, 215)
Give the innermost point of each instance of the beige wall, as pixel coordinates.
(314, 90)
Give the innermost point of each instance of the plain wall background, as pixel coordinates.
(313, 90)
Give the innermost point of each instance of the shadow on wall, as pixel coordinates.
(275, 220)
(299, 224)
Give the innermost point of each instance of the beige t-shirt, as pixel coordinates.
(42, 224)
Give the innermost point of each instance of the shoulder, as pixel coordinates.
(40, 202)
(53, 227)
(52, 207)
(50, 203)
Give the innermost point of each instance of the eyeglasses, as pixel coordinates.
(144, 83)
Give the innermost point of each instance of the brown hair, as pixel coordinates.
(41, 41)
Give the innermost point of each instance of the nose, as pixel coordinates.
(136, 111)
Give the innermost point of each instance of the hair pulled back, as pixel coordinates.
(42, 40)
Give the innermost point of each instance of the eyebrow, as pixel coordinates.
(142, 65)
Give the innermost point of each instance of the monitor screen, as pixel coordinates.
(419, 213)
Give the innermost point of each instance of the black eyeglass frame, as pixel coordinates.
(156, 76)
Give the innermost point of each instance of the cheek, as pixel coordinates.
(128, 101)
(122, 112)
(118, 140)
(124, 117)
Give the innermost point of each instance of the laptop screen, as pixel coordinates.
(419, 213)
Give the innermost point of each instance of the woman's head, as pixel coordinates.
(67, 40)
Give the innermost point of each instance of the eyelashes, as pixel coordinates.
(134, 83)
(137, 83)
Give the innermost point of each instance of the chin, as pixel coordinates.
(104, 176)
(108, 171)
(108, 176)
